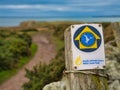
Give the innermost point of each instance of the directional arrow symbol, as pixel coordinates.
(87, 30)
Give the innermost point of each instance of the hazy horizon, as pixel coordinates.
(15, 21)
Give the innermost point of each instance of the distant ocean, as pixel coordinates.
(15, 21)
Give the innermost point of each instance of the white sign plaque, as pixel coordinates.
(87, 46)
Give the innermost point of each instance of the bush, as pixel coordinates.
(45, 74)
(27, 38)
(12, 47)
(30, 30)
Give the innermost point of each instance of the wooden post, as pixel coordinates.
(116, 31)
(81, 80)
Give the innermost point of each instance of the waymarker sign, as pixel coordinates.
(87, 46)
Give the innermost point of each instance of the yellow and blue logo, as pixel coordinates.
(87, 38)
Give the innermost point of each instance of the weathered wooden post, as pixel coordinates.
(85, 59)
(116, 31)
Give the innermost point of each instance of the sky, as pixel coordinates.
(59, 8)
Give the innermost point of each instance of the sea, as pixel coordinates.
(15, 21)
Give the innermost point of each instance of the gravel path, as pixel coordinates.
(45, 52)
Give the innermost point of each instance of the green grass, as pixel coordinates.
(58, 43)
(4, 75)
(32, 33)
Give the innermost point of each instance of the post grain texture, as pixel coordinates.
(81, 80)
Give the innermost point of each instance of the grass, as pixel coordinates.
(5, 75)
(32, 33)
(58, 43)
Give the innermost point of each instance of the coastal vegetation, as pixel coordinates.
(16, 49)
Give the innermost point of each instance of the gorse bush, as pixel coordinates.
(12, 47)
(30, 30)
(44, 74)
(27, 38)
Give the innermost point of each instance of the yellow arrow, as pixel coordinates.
(81, 46)
(87, 29)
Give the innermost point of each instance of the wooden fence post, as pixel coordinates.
(81, 80)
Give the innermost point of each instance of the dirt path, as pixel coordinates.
(45, 52)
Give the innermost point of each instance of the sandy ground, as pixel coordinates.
(45, 52)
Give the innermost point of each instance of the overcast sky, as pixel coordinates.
(59, 8)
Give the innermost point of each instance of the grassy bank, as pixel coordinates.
(4, 75)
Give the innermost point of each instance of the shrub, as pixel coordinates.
(12, 47)
(45, 74)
